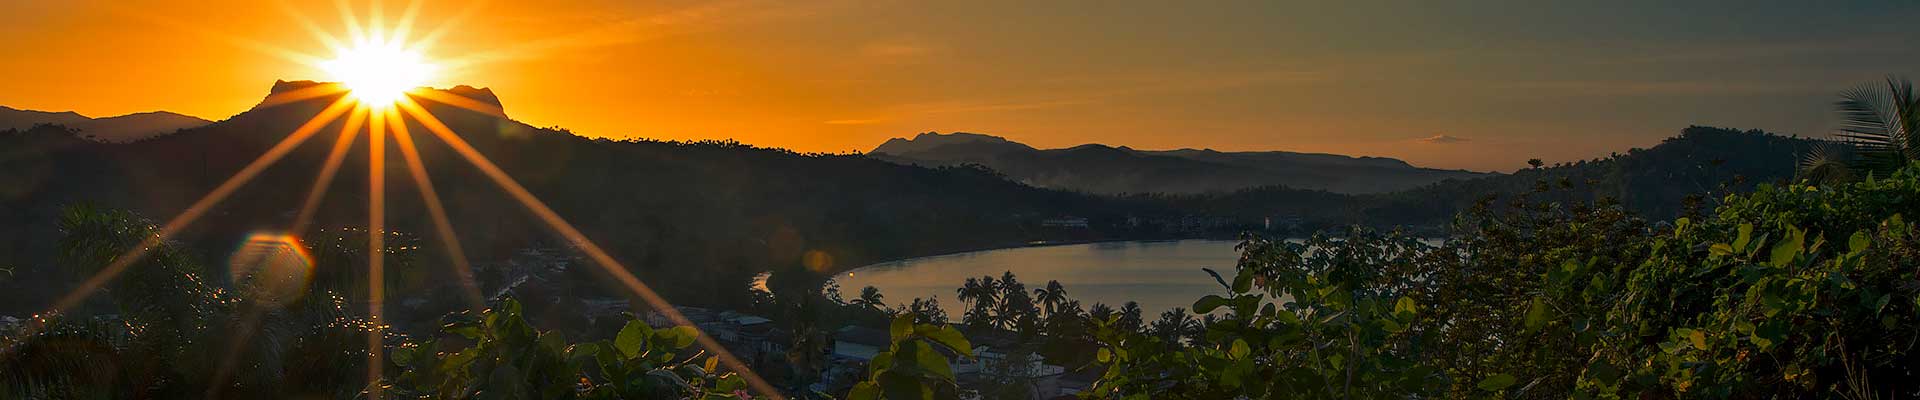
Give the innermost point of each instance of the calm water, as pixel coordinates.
(1159, 275)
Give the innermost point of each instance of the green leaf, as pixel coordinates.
(1243, 282)
(683, 336)
(947, 336)
(632, 338)
(1104, 355)
(1287, 317)
(1208, 303)
(931, 361)
(1746, 235)
(1239, 349)
(1699, 339)
(1391, 326)
(864, 391)
(1784, 253)
(1604, 371)
(1216, 278)
(897, 387)
(1404, 307)
(1537, 315)
(901, 327)
(1497, 382)
(1858, 242)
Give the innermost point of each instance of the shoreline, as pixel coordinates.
(1028, 245)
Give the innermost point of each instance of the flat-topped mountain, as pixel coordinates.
(696, 219)
(1100, 168)
(124, 128)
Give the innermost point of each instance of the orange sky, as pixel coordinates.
(1509, 80)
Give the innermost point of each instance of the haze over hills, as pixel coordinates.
(124, 128)
(723, 209)
(1097, 168)
(729, 211)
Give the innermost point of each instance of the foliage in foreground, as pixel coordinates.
(1787, 292)
(509, 359)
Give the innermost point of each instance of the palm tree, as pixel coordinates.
(1051, 297)
(1881, 127)
(871, 298)
(1174, 325)
(1130, 317)
(1099, 312)
(970, 291)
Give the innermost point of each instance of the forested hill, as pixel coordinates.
(696, 219)
(1660, 182)
(1097, 168)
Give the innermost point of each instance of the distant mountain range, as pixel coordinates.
(1103, 169)
(124, 128)
(699, 219)
(696, 219)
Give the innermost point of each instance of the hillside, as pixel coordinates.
(1104, 169)
(1682, 173)
(700, 219)
(697, 219)
(124, 128)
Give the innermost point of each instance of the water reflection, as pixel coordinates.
(1159, 274)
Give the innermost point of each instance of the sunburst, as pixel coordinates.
(380, 75)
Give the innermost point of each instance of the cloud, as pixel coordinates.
(1443, 139)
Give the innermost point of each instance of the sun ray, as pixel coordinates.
(433, 37)
(377, 21)
(328, 170)
(462, 102)
(355, 33)
(301, 94)
(201, 207)
(236, 41)
(312, 28)
(376, 247)
(407, 17)
(448, 240)
(573, 236)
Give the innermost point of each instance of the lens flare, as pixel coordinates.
(273, 269)
(379, 73)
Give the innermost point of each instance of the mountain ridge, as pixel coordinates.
(119, 128)
(1101, 168)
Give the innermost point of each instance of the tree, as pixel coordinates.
(925, 311)
(982, 297)
(1051, 297)
(871, 299)
(1099, 312)
(1883, 126)
(1016, 310)
(1130, 319)
(1175, 325)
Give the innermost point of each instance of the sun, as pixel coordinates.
(379, 73)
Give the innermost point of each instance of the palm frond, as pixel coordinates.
(1827, 163)
(1880, 124)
